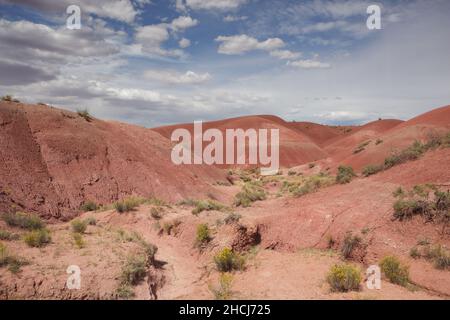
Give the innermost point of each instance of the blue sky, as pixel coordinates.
(154, 62)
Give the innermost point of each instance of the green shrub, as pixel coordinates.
(414, 253)
(344, 278)
(206, 205)
(223, 292)
(439, 256)
(89, 206)
(232, 218)
(14, 263)
(6, 235)
(23, 220)
(203, 234)
(345, 174)
(371, 170)
(227, 260)
(37, 238)
(361, 147)
(349, 244)
(91, 221)
(125, 291)
(128, 204)
(78, 239)
(156, 212)
(411, 153)
(395, 271)
(79, 226)
(408, 208)
(134, 270)
(311, 184)
(170, 227)
(251, 192)
(84, 113)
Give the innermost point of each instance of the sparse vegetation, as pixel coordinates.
(418, 202)
(371, 170)
(134, 269)
(437, 254)
(291, 173)
(170, 227)
(223, 292)
(251, 192)
(308, 185)
(207, 205)
(79, 226)
(91, 221)
(9, 98)
(349, 244)
(8, 236)
(345, 174)
(227, 260)
(311, 165)
(344, 278)
(395, 271)
(37, 238)
(84, 113)
(232, 218)
(6, 259)
(89, 206)
(23, 220)
(78, 240)
(128, 204)
(379, 141)
(203, 235)
(361, 147)
(156, 213)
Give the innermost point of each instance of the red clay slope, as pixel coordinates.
(53, 160)
(397, 137)
(295, 147)
(322, 134)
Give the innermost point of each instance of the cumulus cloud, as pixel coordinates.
(21, 74)
(239, 44)
(184, 43)
(173, 77)
(150, 38)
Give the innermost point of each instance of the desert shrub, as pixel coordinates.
(438, 255)
(134, 270)
(125, 291)
(311, 165)
(394, 270)
(23, 220)
(156, 213)
(411, 153)
(128, 204)
(330, 241)
(345, 174)
(6, 235)
(414, 253)
(207, 205)
(223, 292)
(84, 113)
(344, 278)
(398, 193)
(89, 206)
(251, 192)
(227, 260)
(7, 97)
(78, 239)
(408, 208)
(37, 238)
(203, 234)
(311, 184)
(157, 202)
(150, 251)
(232, 218)
(379, 141)
(79, 226)
(371, 170)
(170, 227)
(361, 147)
(14, 263)
(349, 244)
(91, 221)
(291, 173)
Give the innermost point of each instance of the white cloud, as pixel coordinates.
(184, 43)
(240, 44)
(286, 54)
(173, 77)
(309, 64)
(150, 38)
(231, 18)
(121, 10)
(344, 116)
(222, 5)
